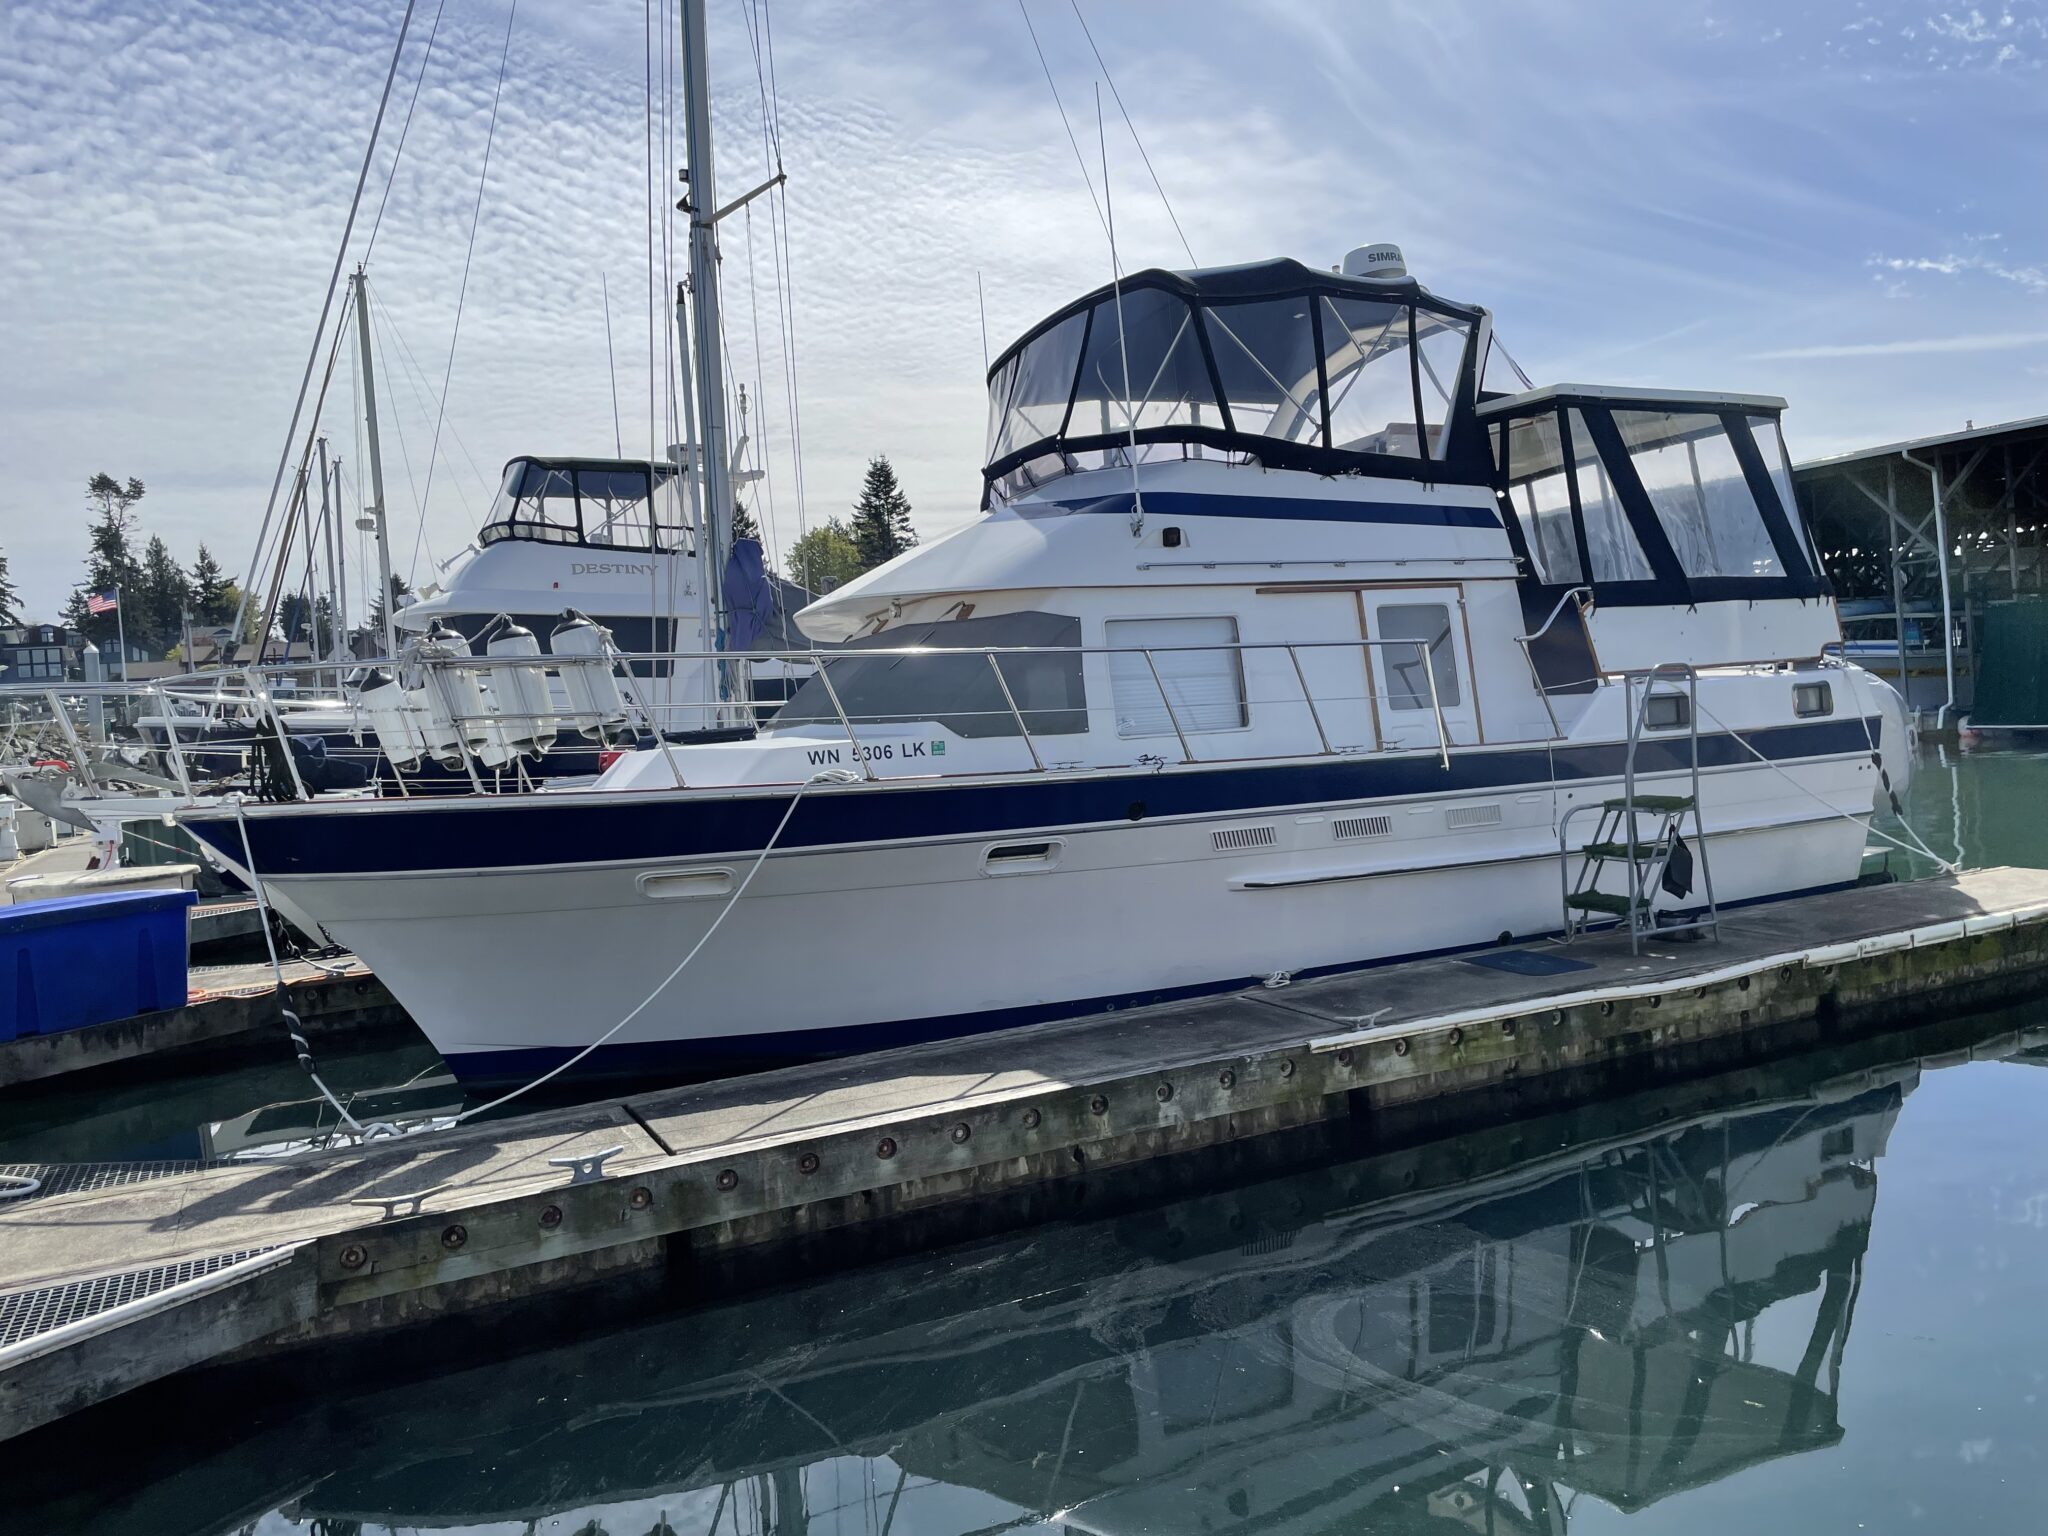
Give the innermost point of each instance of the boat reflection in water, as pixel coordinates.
(1620, 1321)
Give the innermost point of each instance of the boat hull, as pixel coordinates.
(511, 960)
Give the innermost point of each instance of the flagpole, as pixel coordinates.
(121, 632)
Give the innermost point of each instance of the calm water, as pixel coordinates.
(1803, 1298)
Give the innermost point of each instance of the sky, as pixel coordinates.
(1841, 204)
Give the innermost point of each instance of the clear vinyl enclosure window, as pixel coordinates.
(1610, 541)
(1266, 357)
(1372, 391)
(1542, 498)
(1205, 687)
(1164, 377)
(1231, 373)
(1699, 493)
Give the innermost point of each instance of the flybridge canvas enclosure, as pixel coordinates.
(623, 505)
(1272, 363)
(1673, 511)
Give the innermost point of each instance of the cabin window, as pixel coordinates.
(1699, 493)
(951, 683)
(1205, 687)
(1810, 699)
(1610, 541)
(1667, 712)
(1407, 683)
(1372, 391)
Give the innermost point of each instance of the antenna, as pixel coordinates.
(982, 306)
(611, 364)
(1116, 283)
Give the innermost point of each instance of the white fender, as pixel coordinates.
(584, 659)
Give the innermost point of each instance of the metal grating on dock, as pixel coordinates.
(24, 1314)
(84, 1178)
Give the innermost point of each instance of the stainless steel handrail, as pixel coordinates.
(251, 693)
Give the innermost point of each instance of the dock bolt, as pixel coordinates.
(1457, 1037)
(640, 1198)
(960, 1133)
(454, 1237)
(886, 1147)
(354, 1256)
(1226, 1078)
(728, 1180)
(1287, 1069)
(1344, 1057)
(1098, 1105)
(1507, 1027)
(1164, 1092)
(551, 1218)
(1032, 1119)
(808, 1163)
(1400, 1047)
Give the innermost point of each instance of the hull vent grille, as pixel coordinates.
(1244, 837)
(1346, 827)
(1472, 816)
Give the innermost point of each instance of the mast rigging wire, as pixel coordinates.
(326, 307)
(404, 128)
(462, 292)
(1079, 159)
(1118, 95)
(423, 392)
(785, 291)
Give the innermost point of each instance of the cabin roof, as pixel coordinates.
(1508, 405)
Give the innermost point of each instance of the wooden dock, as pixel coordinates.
(112, 1280)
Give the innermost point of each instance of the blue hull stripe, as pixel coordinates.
(526, 830)
(1293, 509)
(720, 1054)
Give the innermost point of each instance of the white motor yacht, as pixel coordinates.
(1288, 641)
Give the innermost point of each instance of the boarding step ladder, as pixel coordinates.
(1644, 853)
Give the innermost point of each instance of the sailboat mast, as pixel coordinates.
(714, 535)
(376, 510)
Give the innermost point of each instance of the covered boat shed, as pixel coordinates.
(1935, 547)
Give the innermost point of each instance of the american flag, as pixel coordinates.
(103, 602)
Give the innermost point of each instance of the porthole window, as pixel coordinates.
(1810, 699)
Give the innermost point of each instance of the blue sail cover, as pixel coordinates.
(750, 598)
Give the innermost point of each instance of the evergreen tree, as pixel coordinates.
(110, 561)
(743, 524)
(881, 518)
(824, 558)
(10, 600)
(156, 616)
(375, 623)
(214, 596)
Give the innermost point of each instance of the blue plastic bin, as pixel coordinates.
(83, 960)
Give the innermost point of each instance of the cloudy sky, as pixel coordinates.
(1840, 204)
